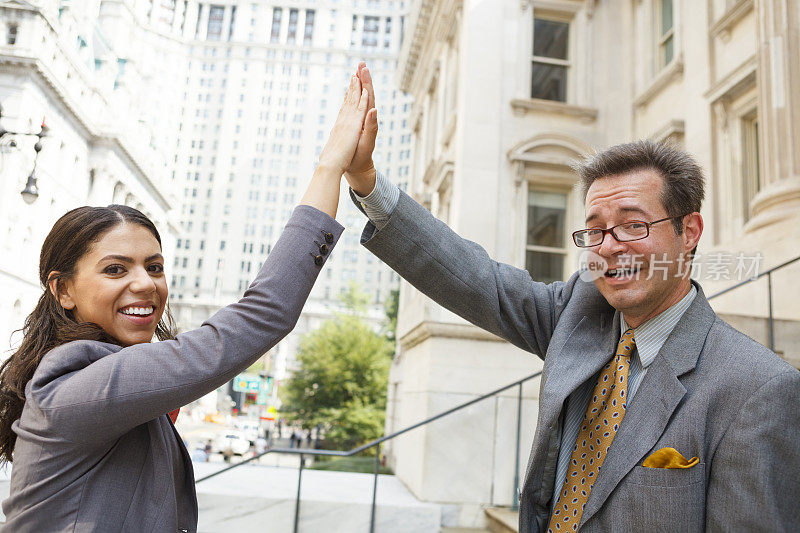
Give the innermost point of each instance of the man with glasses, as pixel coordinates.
(655, 415)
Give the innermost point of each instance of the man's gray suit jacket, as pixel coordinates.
(95, 449)
(711, 392)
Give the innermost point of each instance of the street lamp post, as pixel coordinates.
(31, 191)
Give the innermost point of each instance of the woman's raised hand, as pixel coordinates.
(338, 152)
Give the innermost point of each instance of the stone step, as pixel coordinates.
(502, 520)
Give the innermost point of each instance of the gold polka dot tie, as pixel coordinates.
(600, 424)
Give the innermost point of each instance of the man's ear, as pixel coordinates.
(59, 289)
(692, 229)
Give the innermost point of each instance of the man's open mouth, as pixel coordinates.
(622, 272)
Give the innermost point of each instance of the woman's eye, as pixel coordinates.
(114, 269)
(158, 269)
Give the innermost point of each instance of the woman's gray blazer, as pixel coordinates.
(95, 449)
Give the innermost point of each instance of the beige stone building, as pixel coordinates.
(508, 93)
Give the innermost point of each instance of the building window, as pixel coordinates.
(750, 161)
(215, 16)
(369, 37)
(308, 32)
(277, 13)
(387, 34)
(666, 34)
(291, 36)
(11, 37)
(550, 59)
(354, 31)
(545, 248)
(199, 18)
(233, 21)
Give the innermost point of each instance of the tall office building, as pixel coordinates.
(263, 85)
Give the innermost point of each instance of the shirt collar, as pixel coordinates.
(652, 335)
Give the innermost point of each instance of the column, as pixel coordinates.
(778, 112)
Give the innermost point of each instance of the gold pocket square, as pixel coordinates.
(669, 458)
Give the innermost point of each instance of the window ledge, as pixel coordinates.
(669, 130)
(435, 171)
(449, 130)
(669, 73)
(722, 27)
(522, 106)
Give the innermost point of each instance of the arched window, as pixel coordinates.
(119, 193)
(548, 207)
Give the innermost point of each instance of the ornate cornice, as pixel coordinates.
(428, 329)
(431, 22)
(95, 136)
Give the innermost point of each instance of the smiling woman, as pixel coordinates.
(119, 284)
(84, 399)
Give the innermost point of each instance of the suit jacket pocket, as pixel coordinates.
(666, 477)
(656, 500)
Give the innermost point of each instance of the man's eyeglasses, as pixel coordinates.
(627, 231)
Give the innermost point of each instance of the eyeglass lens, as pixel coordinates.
(629, 231)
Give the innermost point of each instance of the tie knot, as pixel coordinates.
(626, 343)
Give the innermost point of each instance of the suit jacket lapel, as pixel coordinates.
(588, 347)
(655, 400)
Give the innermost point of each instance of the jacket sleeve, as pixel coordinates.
(755, 474)
(87, 390)
(459, 275)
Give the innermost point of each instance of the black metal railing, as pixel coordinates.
(302, 452)
(770, 315)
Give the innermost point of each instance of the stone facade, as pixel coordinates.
(61, 63)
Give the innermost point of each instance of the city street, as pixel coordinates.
(197, 434)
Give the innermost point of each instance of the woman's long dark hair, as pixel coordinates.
(50, 325)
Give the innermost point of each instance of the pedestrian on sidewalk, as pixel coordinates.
(84, 399)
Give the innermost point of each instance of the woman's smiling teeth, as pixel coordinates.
(139, 311)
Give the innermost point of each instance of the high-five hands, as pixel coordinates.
(360, 173)
(349, 147)
(337, 156)
(338, 153)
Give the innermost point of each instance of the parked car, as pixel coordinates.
(249, 427)
(232, 443)
(215, 418)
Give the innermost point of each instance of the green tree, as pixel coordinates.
(342, 378)
(390, 307)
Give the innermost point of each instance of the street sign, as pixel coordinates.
(247, 383)
(264, 391)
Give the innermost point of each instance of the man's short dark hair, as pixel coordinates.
(684, 184)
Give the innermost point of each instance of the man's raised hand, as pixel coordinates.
(360, 173)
